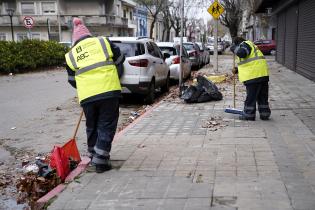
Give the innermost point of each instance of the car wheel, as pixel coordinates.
(149, 99)
(273, 52)
(166, 87)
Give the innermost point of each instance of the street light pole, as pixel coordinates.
(181, 48)
(10, 12)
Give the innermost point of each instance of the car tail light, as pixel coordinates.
(176, 60)
(139, 63)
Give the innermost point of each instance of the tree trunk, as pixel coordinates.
(168, 34)
(152, 27)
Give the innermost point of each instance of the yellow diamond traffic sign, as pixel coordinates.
(216, 10)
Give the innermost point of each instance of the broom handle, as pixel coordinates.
(234, 95)
(78, 124)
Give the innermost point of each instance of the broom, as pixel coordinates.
(234, 110)
(70, 148)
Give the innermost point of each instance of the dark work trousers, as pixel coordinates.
(101, 123)
(257, 92)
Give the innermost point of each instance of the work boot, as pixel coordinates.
(243, 117)
(99, 168)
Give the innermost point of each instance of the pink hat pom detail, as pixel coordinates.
(76, 21)
(79, 30)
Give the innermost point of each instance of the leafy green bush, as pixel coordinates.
(28, 55)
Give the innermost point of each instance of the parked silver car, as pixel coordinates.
(204, 53)
(174, 60)
(193, 51)
(144, 68)
(210, 47)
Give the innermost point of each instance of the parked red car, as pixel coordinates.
(267, 47)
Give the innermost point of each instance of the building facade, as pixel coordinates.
(295, 29)
(141, 17)
(53, 18)
(255, 26)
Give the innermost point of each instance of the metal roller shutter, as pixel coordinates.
(305, 63)
(280, 38)
(290, 37)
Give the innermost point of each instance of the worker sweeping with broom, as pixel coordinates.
(91, 67)
(253, 72)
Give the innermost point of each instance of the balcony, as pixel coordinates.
(95, 20)
(66, 21)
(132, 24)
(116, 21)
(39, 20)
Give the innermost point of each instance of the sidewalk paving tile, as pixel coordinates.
(175, 163)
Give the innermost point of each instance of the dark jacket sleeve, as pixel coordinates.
(118, 58)
(243, 50)
(71, 77)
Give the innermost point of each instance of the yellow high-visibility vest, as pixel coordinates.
(254, 66)
(95, 71)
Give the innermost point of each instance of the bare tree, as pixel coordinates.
(154, 7)
(232, 16)
(167, 24)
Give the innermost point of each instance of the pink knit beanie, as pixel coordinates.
(79, 30)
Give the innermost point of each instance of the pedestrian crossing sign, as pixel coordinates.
(215, 9)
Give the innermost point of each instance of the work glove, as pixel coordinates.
(235, 70)
(232, 48)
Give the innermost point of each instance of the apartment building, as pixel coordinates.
(53, 18)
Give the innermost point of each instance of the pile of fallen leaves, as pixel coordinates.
(214, 123)
(37, 179)
(31, 187)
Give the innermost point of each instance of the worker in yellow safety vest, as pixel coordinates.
(91, 67)
(254, 73)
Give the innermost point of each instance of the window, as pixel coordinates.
(3, 37)
(118, 9)
(28, 8)
(157, 51)
(151, 49)
(169, 50)
(21, 36)
(130, 13)
(36, 36)
(125, 13)
(130, 49)
(48, 8)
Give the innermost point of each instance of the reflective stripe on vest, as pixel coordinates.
(95, 72)
(251, 59)
(254, 66)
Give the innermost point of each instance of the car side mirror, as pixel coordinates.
(166, 55)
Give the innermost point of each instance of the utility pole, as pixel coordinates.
(59, 21)
(216, 46)
(181, 48)
(10, 12)
(48, 29)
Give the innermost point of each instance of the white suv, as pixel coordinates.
(144, 68)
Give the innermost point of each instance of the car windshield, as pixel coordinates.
(169, 50)
(189, 46)
(130, 49)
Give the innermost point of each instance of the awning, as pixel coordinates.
(129, 3)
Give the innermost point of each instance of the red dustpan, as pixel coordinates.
(70, 148)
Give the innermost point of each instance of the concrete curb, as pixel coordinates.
(40, 203)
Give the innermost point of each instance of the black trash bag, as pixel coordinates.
(191, 94)
(204, 91)
(211, 91)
